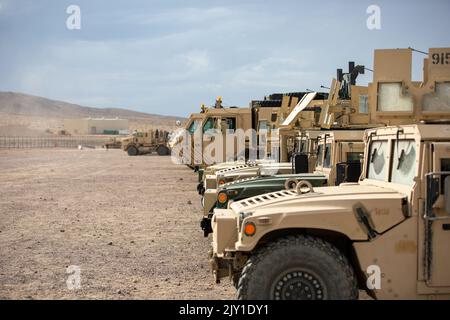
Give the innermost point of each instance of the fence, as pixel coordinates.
(16, 142)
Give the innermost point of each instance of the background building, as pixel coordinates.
(96, 126)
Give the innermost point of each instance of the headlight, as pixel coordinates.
(242, 216)
(222, 197)
(249, 229)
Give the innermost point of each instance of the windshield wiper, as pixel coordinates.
(372, 156)
(401, 158)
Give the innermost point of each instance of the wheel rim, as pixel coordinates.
(298, 285)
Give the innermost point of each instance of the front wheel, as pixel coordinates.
(297, 268)
(163, 151)
(132, 151)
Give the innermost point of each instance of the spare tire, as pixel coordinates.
(290, 183)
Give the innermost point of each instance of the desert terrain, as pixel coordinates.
(27, 115)
(131, 225)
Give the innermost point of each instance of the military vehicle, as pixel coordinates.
(182, 140)
(386, 234)
(339, 161)
(203, 128)
(267, 164)
(113, 143)
(345, 145)
(218, 123)
(140, 143)
(345, 107)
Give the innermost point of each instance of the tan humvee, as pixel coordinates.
(388, 234)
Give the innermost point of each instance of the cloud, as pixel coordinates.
(197, 60)
(150, 55)
(180, 16)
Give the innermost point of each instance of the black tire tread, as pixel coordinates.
(324, 246)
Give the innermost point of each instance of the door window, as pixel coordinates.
(378, 160)
(209, 125)
(404, 162)
(193, 126)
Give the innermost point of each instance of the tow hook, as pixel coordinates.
(200, 189)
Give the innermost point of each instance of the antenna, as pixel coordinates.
(419, 51)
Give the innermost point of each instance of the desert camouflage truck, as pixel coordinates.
(203, 143)
(266, 163)
(140, 143)
(294, 118)
(182, 140)
(387, 234)
(264, 120)
(342, 105)
(264, 116)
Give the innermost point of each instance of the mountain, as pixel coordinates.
(23, 114)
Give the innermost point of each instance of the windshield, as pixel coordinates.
(209, 125)
(378, 160)
(327, 156)
(263, 125)
(193, 126)
(404, 162)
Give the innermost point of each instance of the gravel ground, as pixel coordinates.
(131, 224)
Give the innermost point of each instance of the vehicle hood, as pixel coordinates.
(255, 182)
(384, 206)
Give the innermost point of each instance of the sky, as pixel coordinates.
(168, 57)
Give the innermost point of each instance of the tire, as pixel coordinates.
(297, 268)
(162, 151)
(132, 151)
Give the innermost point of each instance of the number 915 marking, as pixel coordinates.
(441, 58)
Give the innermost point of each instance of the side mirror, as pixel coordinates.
(447, 194)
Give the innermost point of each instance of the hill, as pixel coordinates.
(23, 114)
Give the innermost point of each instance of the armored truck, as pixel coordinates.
(140, 143)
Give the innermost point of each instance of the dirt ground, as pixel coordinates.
(131, 224)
